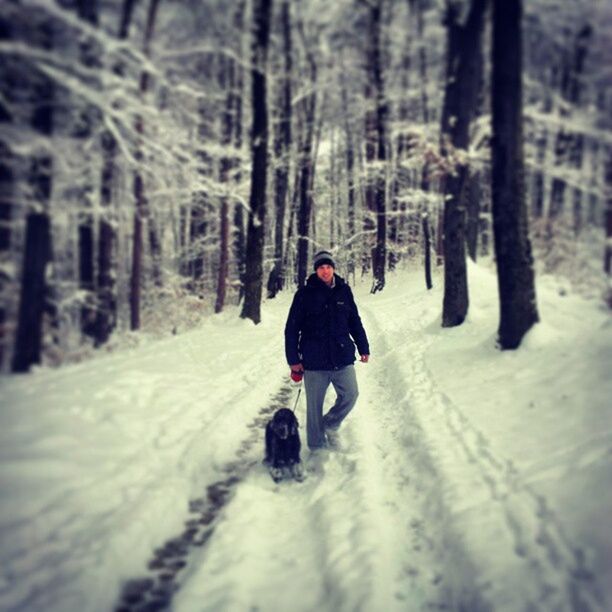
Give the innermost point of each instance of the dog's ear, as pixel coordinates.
(294, 427)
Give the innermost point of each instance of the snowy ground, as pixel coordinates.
(466, 478)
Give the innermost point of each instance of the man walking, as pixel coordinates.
(322, 329)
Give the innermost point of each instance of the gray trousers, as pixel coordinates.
(316, 383)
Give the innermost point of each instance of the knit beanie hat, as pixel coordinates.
(323, 258)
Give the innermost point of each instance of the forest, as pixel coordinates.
(163, 159)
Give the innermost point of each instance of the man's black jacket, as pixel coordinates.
(320, 325)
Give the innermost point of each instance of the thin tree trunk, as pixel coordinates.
(7, 195)
(567, 144)
(537, 209)
(251, 308)
(379, 260)
(473, 194)
(8, 208)
(139, 195)
(223, 256)
(282, 150)
(155, 248)
(127, 11)
(306, 169)
(518, 311)
(227, 130)
(608, 222)
(85, 124)
(376, 148)
(305, 205)
(350, 179)
(333, 197)
(106, 318)
(239, 229)
(106, 315)
(427, 251)
(417, 8)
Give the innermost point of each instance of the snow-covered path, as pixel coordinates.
(367, 530)
(136, 478)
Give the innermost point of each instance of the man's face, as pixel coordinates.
(326, 273)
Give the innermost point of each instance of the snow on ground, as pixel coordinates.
(466, 478)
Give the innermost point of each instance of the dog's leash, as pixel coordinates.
(297, 398)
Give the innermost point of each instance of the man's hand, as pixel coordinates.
(364, 358)
(297, 367)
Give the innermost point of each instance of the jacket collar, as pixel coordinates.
(315, 282)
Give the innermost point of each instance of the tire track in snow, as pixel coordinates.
(170, 562)
(565, 580)
(437, 569)
(551, 571)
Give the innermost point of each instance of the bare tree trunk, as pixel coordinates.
(251, 308)
(227, 130)
(282, 149)
(417, 8)
(518, 310)
(223, 256)
(305, 201)
(38, 246)
(568, 145)
(139, 195)
(537, 210)
(334, 221)
(7, 195)
(127, 11)
(350, 178)
(106, 315)
(37, 255)
(351, 200)
(462, 81)
(239, 242)
(427, 251)
(306, 168)
(155, 248)
(473, 194)
(83, 130)
(608, 222)
(106, 318)
(8, 160)
(376, 148)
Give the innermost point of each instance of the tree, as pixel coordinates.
(350, 176)
(86, 120)
(251, 308)
(518, 310)
(608, 224)
(239, 237)
(427, 250)
(282, 148)
(306, 160)
(376, 145)
(139, 190)
(463, 69)
(226, 78)
(37, 252)
(106, 315)
(7, 192)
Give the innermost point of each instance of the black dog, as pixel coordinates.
(283, 445)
